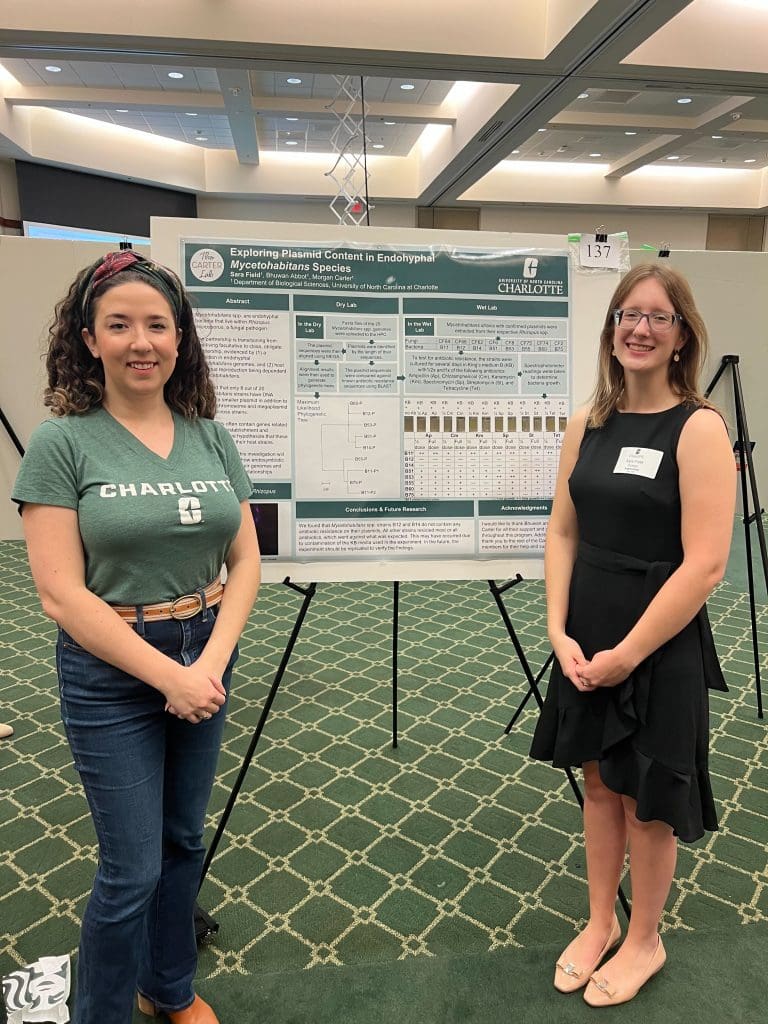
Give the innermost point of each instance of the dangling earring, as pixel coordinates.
(676, 356)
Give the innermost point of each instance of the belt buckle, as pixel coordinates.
(189, 612)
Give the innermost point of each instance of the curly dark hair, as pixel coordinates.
(76, 378)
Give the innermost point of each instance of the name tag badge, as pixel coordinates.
(639, 462)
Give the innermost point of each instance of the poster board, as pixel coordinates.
(35, 274)
(398, 397)
(729, 289)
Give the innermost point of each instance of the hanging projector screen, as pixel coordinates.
(399, 404)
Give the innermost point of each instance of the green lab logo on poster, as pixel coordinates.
(431, 270)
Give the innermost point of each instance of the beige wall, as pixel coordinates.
(34, 274)
(383, 215)
(679, 230)
(730, 290)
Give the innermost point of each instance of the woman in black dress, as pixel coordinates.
(639, 536)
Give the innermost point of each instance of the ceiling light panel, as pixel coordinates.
(137, 76)
(664, 103)
(23, 71)
(756, 109)
(184, 84)
(64, 77)
(572, 145)
(396, 94)
(96, 74)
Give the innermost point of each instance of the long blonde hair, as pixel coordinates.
(683, 375)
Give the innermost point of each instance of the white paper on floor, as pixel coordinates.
(38, 992)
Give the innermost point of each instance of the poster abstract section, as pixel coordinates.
(389, 402)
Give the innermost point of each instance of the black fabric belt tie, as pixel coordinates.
(628, 707)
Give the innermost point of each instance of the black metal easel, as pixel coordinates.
(747, 468)
(205, 925)
(11, 433)
(533, 690)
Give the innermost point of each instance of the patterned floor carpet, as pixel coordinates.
(342, 850)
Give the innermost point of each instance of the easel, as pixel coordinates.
(533, 690)
(11, 433)
(205, 925)
(746, 467)
(308, 593)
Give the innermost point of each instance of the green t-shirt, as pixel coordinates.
(152, 528)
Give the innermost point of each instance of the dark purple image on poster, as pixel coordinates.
(265, 518)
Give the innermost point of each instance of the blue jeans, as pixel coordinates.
(147, 776)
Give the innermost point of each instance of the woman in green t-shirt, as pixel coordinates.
(132, 500)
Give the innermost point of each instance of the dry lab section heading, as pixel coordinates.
(389, 403)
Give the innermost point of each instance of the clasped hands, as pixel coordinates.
(195, 693)
(606, 668)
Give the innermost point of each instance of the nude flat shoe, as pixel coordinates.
(569, 977)
(198, 1012)
(599, 993)
(6, 731)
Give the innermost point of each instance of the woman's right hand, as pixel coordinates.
(194, 694)
(571, 659)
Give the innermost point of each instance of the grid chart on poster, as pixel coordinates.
(486, 449)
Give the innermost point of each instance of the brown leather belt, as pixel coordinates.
(181, 608)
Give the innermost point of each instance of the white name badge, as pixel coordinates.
(639, 462)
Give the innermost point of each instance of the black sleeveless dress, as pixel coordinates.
(650, 733)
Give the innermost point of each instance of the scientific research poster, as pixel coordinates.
(389, 402)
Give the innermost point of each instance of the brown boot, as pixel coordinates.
(199, 1012)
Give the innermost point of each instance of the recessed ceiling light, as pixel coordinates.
(515, 150)
(583, 95)
(291, 119)
(378, 145)
(293, 81)
(201, 138)
(673, 158)
(630, 133)
(175, 74)
(291, 142)
(717, 136)
(751, 160)
(121, 110)
(684, 99)
(53, 67)
(407, 86)
(191, 113)
(595, 154)
(390, 122)
(541, 129)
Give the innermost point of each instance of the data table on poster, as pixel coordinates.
(492, 449)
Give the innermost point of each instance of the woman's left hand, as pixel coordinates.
(607, 668)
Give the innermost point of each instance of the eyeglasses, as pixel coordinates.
(658, 321)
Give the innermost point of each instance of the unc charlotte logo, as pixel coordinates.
(530, 266)
(190, 511)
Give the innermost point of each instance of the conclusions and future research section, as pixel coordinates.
(389, 403)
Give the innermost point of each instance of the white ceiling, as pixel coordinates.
(599, 85)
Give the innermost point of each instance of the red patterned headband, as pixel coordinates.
(116, 262)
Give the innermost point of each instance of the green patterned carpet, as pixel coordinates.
(342, 850)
